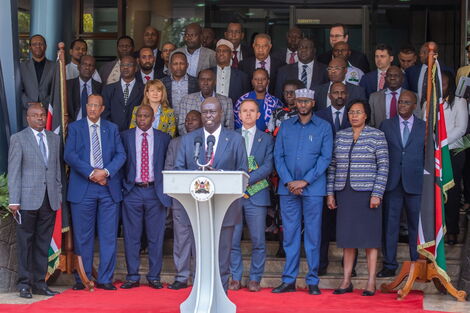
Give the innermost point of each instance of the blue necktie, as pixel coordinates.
(96, 148)
(84, 100)
(304, 75)
(42, 147)
(406, 133)
(337, 122)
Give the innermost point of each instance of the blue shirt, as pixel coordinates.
(303, 152)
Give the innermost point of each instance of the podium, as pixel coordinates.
(206, 197)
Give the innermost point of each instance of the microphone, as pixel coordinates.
(197, 147)
(210, 145)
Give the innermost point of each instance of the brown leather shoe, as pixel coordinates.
(254, 286)
(235, 285)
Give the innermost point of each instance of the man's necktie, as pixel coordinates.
(246, 135)
(126, 94)
(42, 147)
(381, 81)
(263, 64)
(337, 122)
(406, 133)
(235, 59)
(292, 57)
(96, 147)
(304, 75)
(84, 100)
(393, 105)
(144, 165)
(147, 78)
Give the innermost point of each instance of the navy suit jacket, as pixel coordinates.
(262, 150)
(412, 75)
(321, 94)
(369, 82)
(248, 66)
(157, 74)
(327, 115)
(239, 83)
(73, 96)
(291, 71)
(229, 156)
(114, 108)
(406, 164)
(77, 155)
(160, 145)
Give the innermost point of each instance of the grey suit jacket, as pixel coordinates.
(206, 58)
(31, 91)
(28, 175)
(377, 107)
(105, 70)
(193, 102)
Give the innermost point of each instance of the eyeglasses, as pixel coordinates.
(357, 112)
(127, 64)
(405, 102)
(336, 36)
(93, 105)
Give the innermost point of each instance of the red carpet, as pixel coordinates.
(147, 300)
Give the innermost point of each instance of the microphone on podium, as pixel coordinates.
(197, 147)
(210, 145)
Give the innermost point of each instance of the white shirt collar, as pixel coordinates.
(389, 92)
(251, 130)
(139, 131)
(410, 120)
(91, 123)
(131, 83)
(216, 133)
(35, 132)
(334, 110)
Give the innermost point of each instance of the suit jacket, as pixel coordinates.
(262, 151)
(206, 58)
(239, 83)
(378, 109)
(74, 95)
(327, 115)
(247, 50)
(105, 70)
(160, 145)
(77, 155)
(412, 75)
(357, 59)
(280, 54)
(229, 156)
(114, 108)
(291, 71)
(159, 63)
(31, 91)
(321, 94)
(156, 75)
(28, 176)
(193, 102)
(370, 82)
(406, 163)
(193, 86)
(248, 66)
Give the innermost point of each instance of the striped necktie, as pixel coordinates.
(304, 75)
(96, 148)
(42, 147)
(126, 94)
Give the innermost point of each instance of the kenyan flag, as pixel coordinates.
(438, 178)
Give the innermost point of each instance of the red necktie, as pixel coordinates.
(144, 165)
(381, 81)
(147, 77)
(292, 58)
(393, 105)
(235, 60)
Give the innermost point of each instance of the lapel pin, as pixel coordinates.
(310, 137)
(226, 138)
(259, 139)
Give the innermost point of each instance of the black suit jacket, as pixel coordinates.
(248, 66)
(239, 83)
(291, 71)
(321, 94)
(157, 74)
(73, 96)
(193, 86)
(357, 59)
(159, 63)
(114, 108)
(247, 51)
(327, 115)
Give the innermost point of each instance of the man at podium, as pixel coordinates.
(228, 154)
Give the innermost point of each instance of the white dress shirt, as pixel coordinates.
(98, 131)
(456, 121)
(267, 64)
(251, 137)
(289, 53)
(131, 85)
(89, 91)
(216, 134)
(309, 72)
(71, 72)
(138, 150)
(44, 138)
(388, 100)
(144, 80)
(333, 114)
(223, 80)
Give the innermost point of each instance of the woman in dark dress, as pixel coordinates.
(357, 178)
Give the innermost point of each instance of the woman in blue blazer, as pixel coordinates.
(357, 177)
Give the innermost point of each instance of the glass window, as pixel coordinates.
(100, 16)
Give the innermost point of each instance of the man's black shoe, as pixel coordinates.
(353, 273)
(284, 287)
(107, 286)
(177, 285)
(130, 284)
(78, 286)
(25, 293)
(44, 292)
(386, 272)
(156, 284)
(314, 290)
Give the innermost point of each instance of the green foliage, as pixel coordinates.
(4, 211)
(464, 142)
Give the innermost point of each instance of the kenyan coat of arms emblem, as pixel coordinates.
(202, 188)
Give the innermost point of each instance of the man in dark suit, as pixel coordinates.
(110, 72)
(167, 49)
(262, 59)
(259, 146)
(95, 155)
(34, 184)
(405, 136)
(310, 72)
(121, 97)
(146, 71)
(235, 35)
(184, 249)
(384, 103)
(179, 83)
(337, 70)
(229, 155)
(78, 89)
(231, 82)
(150, 39)
(37, 74)
(339, 32)
(290, 54)
(144, 201)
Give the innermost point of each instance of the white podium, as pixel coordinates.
(206, 197)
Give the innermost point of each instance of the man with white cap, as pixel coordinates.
(231, 82)
(302, 154)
